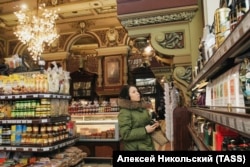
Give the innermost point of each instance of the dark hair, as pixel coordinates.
(124, 94)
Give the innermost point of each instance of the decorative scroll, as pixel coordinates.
(174, 40)
(182, 78)
(170, 17)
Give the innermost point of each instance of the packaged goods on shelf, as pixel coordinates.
(226, 91)
(51, 81)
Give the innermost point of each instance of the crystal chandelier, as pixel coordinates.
(36, 29)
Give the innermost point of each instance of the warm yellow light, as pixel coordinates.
(36, 29)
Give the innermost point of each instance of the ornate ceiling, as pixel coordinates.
(95, 14)
(138, 17)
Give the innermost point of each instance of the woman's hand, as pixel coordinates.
(151, 128)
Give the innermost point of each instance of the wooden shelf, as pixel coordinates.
(35, 96)
(42, 120)
(55, 146)
(235, 121)
(199, 143)
(235, 44)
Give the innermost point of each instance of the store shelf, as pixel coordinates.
(56, 146)
(98, 140)
(98, 160)
(235, 44)
(235, 121)
(43, 120)
(199, 143)
(34, 96)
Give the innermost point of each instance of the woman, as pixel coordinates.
(135, 121)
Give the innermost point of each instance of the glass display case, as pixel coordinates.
(97, 127)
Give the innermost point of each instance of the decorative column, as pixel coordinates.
(125, 71)
(100, 74)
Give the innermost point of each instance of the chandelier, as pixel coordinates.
(36, 29)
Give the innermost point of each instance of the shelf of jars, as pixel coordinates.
(30, 120)
(97, 127)
(235, 44)
(236, 121)
(84, 107)
(35, 96)
(39, 147)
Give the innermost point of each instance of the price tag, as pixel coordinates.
(16, 96)
(24, 121)
(23, 96)
(18, 121)
(44, 120)
(46, 95)
(247, 127)
(35, 95)
(239, 125)
(4, 121)
(214, 117)
(9, 97)
(224, 120)
(56, 147)
(8, 148)
(46, 149)
(2, 97)
(218, 118)
(231, 122)
(25, 149)
(34, 149)
(236, 35)
(29, 121)
(13, 148)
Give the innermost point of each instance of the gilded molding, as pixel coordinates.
(158, 19)
(183, 75)
(173, 40)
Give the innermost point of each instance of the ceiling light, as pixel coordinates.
(36, 29)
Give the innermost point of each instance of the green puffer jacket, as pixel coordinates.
(132, 119)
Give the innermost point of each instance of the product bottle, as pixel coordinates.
(233, 15)
(242, 7)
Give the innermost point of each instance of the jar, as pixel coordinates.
(28, 138)
(43, 128)
(66, 135)
(50, 139)
(6, 140)
(29, 129)
(13, 139)
(55, 139)
(64, 126)
(39, 140)
(24, 138)
(35, 129)
(34, 139)
(49, 128)
(55, 127)
(18, 139)
(45, 137)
